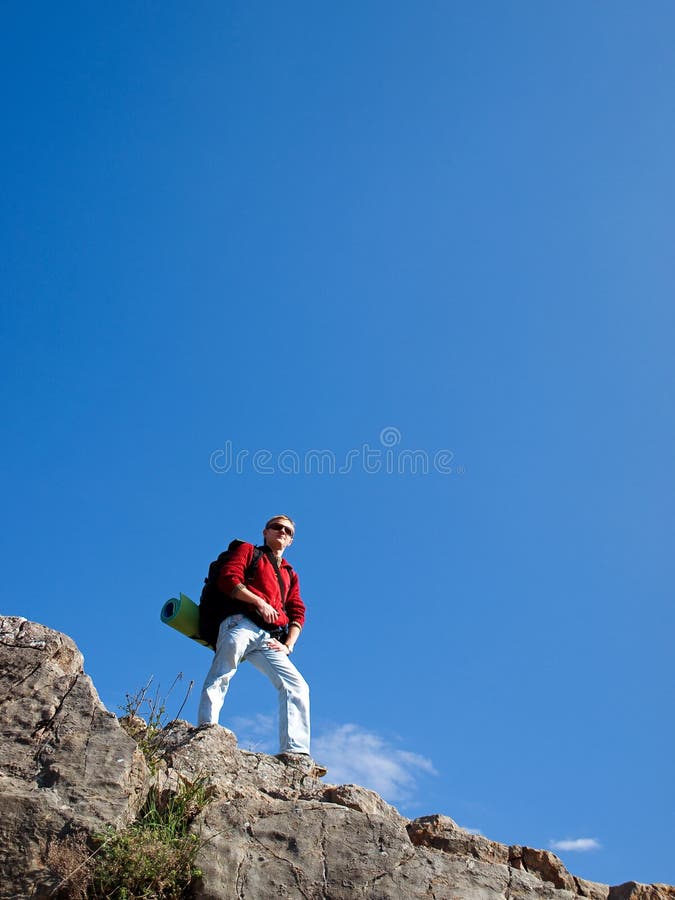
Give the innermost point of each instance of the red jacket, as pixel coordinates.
(264, 583)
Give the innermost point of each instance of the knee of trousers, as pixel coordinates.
(294, 687)
(299, 688)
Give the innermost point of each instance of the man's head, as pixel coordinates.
(278, 533)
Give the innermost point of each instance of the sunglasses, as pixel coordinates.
(277, 526)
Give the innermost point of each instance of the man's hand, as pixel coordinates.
(264, 609)
(267, 612)
(274, 644)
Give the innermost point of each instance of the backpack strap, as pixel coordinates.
(217, 565)
(253, 565)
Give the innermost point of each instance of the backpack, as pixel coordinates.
(214, 605)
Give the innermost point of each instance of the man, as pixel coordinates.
(266, 615)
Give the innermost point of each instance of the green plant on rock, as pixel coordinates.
(155, 856)
(145, 718)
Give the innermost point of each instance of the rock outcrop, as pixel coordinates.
(65, 763)
(270, 829)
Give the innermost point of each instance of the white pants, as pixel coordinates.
(240, 639)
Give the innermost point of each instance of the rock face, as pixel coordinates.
(65, 763)
(270, 829)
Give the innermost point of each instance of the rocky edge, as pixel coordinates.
(269, 830)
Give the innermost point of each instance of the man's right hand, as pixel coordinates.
(267, 612)
(264, 609)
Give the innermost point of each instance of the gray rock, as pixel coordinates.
(442, 833)
(631, 890)
(526, 867)
(65, 763)
(271, 829)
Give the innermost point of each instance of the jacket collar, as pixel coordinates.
(268, 552)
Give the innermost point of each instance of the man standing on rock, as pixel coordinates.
(264, 618)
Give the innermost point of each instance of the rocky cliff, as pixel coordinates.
(68, 769)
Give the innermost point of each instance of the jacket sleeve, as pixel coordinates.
(295, 608)
(234, 568)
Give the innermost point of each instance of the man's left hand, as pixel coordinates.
(274, 644)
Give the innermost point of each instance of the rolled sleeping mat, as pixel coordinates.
(183, 615)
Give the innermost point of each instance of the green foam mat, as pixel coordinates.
(183, 615)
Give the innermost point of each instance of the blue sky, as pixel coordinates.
(360, 230)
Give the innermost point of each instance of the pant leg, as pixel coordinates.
(235, 636)
(294, 726)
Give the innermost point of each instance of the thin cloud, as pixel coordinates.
(257, 733)
(356, 756)
(576, 845)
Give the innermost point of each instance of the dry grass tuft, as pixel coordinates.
(70, 859)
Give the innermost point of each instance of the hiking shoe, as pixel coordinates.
(305, 761)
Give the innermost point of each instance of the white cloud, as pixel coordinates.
(257, 733)
(579, 845)
(356, 756)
